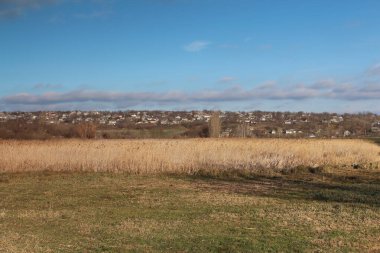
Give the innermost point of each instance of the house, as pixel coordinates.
(207, 118)
(290, 131)
(336, 119)
(346, 133)
(3, 117)
(153, 121)
(112, 122)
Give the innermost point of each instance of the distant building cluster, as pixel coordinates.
(234, 124)
(108, 118)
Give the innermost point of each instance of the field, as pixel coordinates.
(186, 156)
(198, 195)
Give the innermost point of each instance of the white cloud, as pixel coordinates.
(362, 89)
(237, 93)
(323, 84)
(15, 8)
(196, 46)
(374, 70)
(227, 79)
(267, 85)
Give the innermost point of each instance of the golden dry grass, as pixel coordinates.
(183, 156)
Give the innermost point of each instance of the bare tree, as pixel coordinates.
(242, 130)
(85, 130)
(215, 125)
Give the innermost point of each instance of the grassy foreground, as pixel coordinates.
(303, 211)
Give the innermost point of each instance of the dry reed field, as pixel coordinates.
(184, 155)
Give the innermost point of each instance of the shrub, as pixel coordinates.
(85, 130)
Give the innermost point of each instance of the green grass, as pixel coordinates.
(377, 140)
(374, 139)
(95, 212)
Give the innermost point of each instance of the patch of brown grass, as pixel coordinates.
(183, 156)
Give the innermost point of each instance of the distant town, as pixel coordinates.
(176, 124)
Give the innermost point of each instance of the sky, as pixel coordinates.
(238, 55)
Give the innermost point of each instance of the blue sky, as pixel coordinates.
(278, 55)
